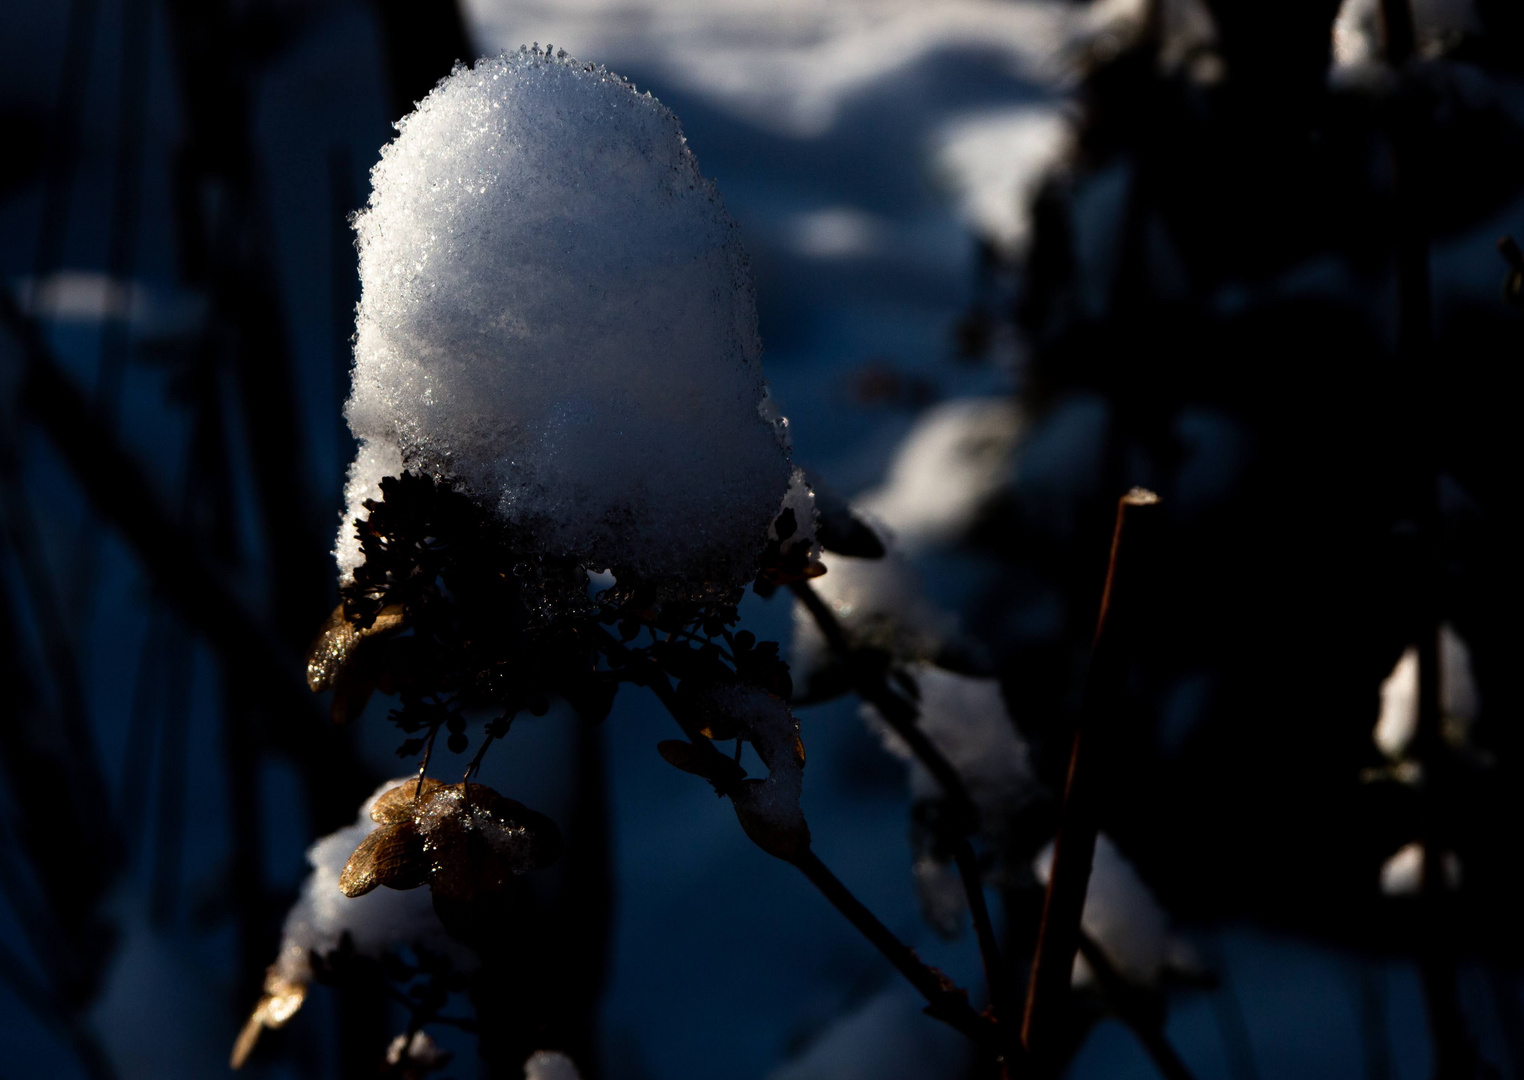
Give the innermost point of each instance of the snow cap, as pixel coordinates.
(556, 313)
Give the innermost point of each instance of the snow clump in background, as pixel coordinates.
(556, 313)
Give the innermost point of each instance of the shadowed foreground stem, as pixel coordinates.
(1058, 937)
(945, 1001)
(902, 715)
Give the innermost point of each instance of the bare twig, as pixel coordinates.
(1074, 847)
(945, 1001)
(995, 975)
(902, 715)
(1134, 1007)
(1454, 1055)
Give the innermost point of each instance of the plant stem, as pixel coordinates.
(902, 715)
(945, 1001)
(1455, 1056)
(1058, 936)
(1133, 1007)
(898, 713)
(984, 930)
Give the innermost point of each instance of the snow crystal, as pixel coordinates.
(799, 499)
(550, 1065)
(557, 314)
(378, 921)
(1123, 917)
(958, 455)
(1398, 721)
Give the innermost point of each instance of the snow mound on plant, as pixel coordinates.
(557, 314)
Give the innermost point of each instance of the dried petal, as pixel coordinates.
(479, 842)
(281, 1000)
(331, 650)
(399, 804)
(359, 875)
(337, 642)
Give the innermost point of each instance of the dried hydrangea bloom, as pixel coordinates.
(556, 314)
(324, 917)
(462, 840)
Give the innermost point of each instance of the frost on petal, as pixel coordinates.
(1124, 919)
(550, 1065)
(556, 314)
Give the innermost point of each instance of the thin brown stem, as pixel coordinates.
(902, 715)
(945, 1001)
(984, 929)
(1134, 1007)
(1058, 936)
(423, 766)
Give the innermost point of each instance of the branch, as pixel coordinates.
(1133, 1007)
(1058, 936)
(902, 715)
(945, 1000)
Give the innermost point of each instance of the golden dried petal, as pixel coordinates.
(331, 650)
(387, 619)
(280, 1003)
(359, 875)
(397, 805)
(398, 859)
(243, 1046)
(479, 842)
(336, 643)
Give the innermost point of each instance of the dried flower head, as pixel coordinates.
(462, 840)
